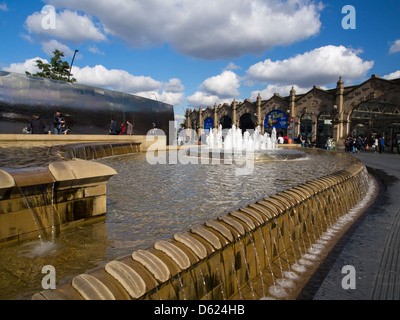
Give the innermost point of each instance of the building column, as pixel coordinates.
(259, 112)
(200, 130)
(234, 117)
(292, 107)
(339, 104)
(215, 116)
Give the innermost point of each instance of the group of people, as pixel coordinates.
(304, 141)
(355, 145)
(38, 126)
(120, 128)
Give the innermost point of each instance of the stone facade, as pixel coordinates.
(336, 105)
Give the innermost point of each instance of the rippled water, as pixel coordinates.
(16, 155)
(146, 203)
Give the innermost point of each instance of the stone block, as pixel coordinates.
(31, 176)
(95, 191)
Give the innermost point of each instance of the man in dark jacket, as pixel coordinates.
(114, 127)
(37, 125)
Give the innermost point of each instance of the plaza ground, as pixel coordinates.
(371, 245)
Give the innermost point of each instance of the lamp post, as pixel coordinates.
(70, 69)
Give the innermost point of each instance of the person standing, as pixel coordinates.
(329, 144)
(37, 125)
(154, 129)
(381, 144)
(129, 128)
(58, 123)
(113, 127)
(376, 143)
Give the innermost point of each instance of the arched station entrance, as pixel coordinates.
(377, 118)
(226, 122)
(306, 126)
(246, 122)
(324, 129)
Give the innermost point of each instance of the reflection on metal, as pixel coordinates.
(87, 110)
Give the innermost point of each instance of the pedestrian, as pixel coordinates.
(349, 144)
(381, 144)
(123, 129)
(329, 144)
(154, 129)
(129, 128)
(113, 127)
(59, 123)
(37, 125)
(354, 143)
(376, 144)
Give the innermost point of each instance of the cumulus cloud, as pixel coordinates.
(223, 85)
(320, 66)
(115, 79)
(203, 29)
(218, 89)
(395, 47)
(29, 65)
(205, 99)
(393, 75)
(283, 90)
(119, 80)
(69, 26)
(51, 45)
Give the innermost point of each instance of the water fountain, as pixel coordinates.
(231, 144)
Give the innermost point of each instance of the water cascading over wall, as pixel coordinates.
(241, 255)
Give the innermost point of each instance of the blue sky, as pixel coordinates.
(192, 53)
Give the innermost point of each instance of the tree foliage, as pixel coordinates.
(57, 69)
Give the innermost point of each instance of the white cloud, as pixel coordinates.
(223, 85)
(204, 99)
(51, 45)
(119, 80)
(95, 50)
(70, 26)
(395, 47)
(174, 85)
(393, 75)
(29, 65)
(283, 90)
(317, 67)
(170, 92)
(218, 89)
(205, 29)
(232, 66)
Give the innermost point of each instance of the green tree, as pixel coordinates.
(56, 70)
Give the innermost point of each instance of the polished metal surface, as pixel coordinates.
(87, 110)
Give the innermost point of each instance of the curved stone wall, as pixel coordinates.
(93, 151)
(236, 256)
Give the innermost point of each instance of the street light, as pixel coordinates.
(70, 69)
